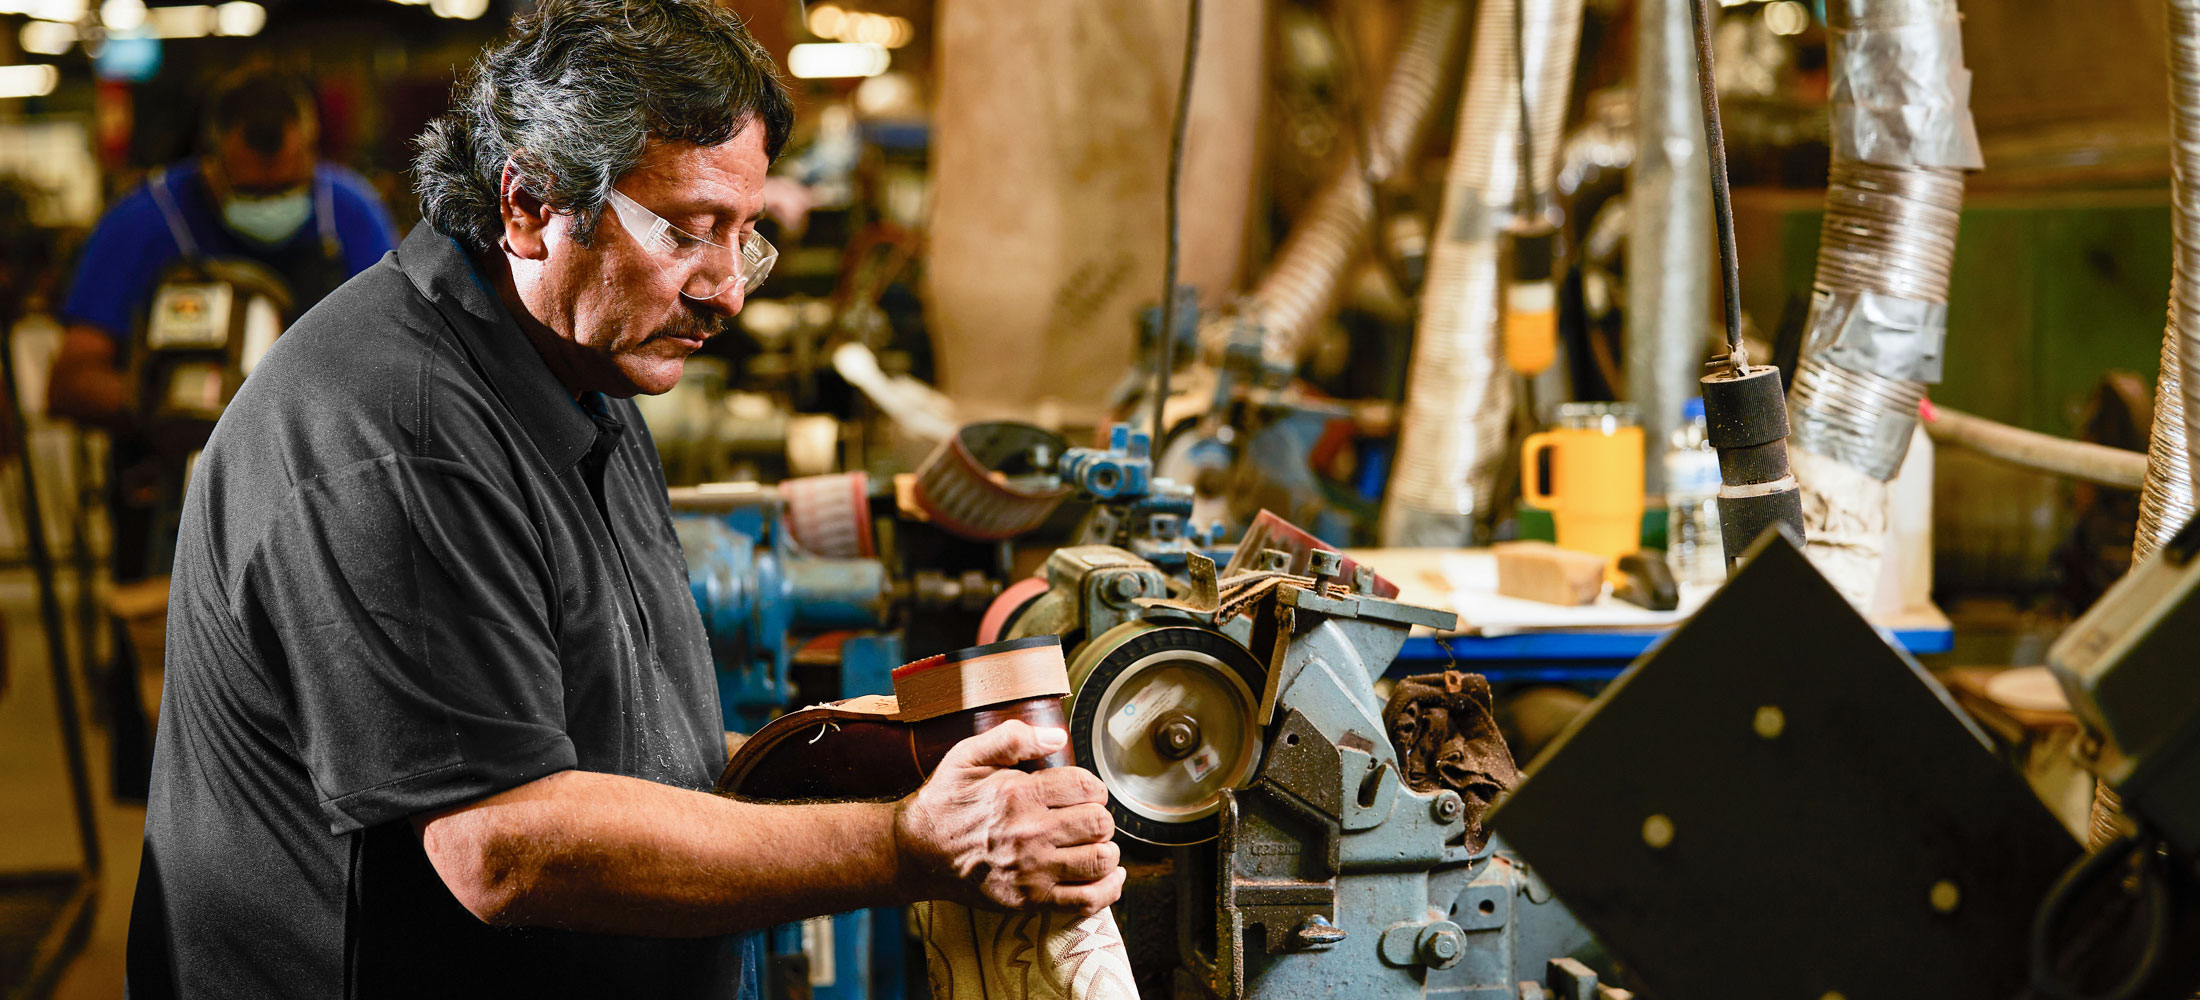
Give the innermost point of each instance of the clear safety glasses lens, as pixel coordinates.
(751, 263)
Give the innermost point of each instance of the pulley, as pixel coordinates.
(1165, 715)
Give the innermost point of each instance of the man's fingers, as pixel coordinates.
(1089, 823)
(1070, 786)
(1006, 745)
(1086, 863)
(1088, 898)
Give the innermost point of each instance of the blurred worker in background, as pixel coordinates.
(258, 191)
(441, 716)
(257, 194)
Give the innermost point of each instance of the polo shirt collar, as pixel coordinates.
(544, 408)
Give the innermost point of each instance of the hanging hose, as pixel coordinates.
(1902, 135)
(1458, 402)
(1301, 286)
(1165, 339)
(2166, 501)
(2184, 122)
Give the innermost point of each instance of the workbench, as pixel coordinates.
(1512, 641)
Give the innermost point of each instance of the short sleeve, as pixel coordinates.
(119, 263)
(408, 605)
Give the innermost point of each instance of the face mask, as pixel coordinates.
(268, 220)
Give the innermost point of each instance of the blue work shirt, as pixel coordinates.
(132, 245)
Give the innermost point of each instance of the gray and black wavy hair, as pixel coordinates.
(574, 96)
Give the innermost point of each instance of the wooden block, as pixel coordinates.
(1540, 571)
(993, 674)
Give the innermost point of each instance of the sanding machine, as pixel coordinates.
(1303, 836)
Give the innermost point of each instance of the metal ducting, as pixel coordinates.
(1669, 251)
(2166, 501)
(1458, 405)
(1902, 135)
(1302, 286)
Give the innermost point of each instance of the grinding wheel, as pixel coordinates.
(1164, 714)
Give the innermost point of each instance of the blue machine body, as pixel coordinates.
(1134, 509)
(757, 593)
(1122, 470)
(760, 596)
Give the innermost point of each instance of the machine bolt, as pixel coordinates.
(1441, 945)
(1126, 586)
(1318, 932)
(1448, 806)
(1175, 736)
(1363, 579)
(1274, 560)
(1324, 562)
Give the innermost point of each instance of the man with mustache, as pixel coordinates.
(440, 717)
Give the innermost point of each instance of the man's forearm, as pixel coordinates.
(611, 854)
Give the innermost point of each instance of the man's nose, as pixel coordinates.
(726, 303)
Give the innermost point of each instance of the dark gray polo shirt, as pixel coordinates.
(412, 572)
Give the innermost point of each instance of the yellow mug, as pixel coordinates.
(1592, 484)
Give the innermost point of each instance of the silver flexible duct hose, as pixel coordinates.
(2166, 502)
(1302, 285)
(2184, 287)
(1669, 249)
(1902, 135)
(1458, 405)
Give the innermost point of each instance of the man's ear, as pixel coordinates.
(526, 216)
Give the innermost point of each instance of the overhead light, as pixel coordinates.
(122, 15)
(195, 21)
(71, 11)
(903, 32)
(828, 60)
(872, 30)
(239, 18)
(47, 38)
(464, 10)
(28, 81)
(825, 20)
(1787, 18)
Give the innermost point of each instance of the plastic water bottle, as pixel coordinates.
(1692, 546)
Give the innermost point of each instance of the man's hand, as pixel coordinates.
(981, 831)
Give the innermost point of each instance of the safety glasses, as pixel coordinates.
(715, 269)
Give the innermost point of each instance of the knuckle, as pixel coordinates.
(1090, 785)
